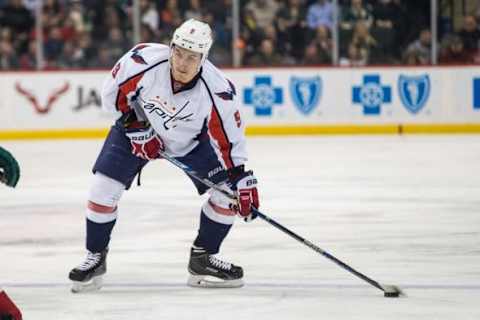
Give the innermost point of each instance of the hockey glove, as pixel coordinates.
(9, 169)
(245, 186)
(145, 142)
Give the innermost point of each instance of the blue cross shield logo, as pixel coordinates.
(414, 91)
(305, 93)
(371, 94)
(263, 96)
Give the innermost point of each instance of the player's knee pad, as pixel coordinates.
(218, 207)
(104, 195)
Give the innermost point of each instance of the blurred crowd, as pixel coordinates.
(94, 34)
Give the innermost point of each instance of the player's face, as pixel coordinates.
(185, 64)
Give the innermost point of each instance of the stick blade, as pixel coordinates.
(391, 291)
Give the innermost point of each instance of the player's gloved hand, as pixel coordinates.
(145, 142)
(245, 186)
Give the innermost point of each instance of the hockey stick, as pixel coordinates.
(390, 291)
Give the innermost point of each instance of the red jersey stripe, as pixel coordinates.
(217, 131)
(124, 89)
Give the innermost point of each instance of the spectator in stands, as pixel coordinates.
(323, 43)
(6, 34)
(67, 29)
(384, 29)
(354, 58)
(357, 11)
(287, 29)
(312, 56)
(453, 51)
(52, 13)
(263, 10)
(16, 17)
(412, 58)
(149, 14)
(107, 14)
(194, 11)
(269, 32)
(291, 28)
(170, 18)
(78, 15)
(117, 44)
(85, 48)
(221, 12)
(70, 57)
(53, 46)
(266, 56)
(385, 13)
(220, 54)
(421, 47)
(363, 41)
(252, 35)
(103, 58)
(320, 13)
(470, 35)
(28, 60)
(8, 57)
(147, 34)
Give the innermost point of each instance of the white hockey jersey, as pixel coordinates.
(142, 77)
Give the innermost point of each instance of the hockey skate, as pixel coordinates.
(88, 275)
(207, 271)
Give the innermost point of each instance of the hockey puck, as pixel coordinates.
(393, 294)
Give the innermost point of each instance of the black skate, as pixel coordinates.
(88, 275)
(207, 271)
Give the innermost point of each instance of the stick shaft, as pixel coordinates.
(272, 222)
(318, 249)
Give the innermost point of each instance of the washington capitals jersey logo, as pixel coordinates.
(229, 93)
(136, 54)
(170, 114)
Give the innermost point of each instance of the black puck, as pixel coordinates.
(393, 294)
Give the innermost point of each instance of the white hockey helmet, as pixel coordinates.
(193, 35)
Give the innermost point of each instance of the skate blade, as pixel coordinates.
(212, 282)
(93, 285)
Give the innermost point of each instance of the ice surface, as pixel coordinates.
(403, 210)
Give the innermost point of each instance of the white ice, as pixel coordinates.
(403, 210)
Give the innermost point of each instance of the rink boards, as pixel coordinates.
(272, 101)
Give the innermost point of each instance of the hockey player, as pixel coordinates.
(171, 99)
(9, 169)
(8, 309)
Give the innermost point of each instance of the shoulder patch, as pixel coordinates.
(229, 93)
(137, 55)
(225, 95)
(232, 87)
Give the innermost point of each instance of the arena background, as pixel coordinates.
(300, 67)
(358, 77)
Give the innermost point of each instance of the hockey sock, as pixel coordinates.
(211, 234)
(98, 235)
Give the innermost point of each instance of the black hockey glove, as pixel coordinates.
(9, 169)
